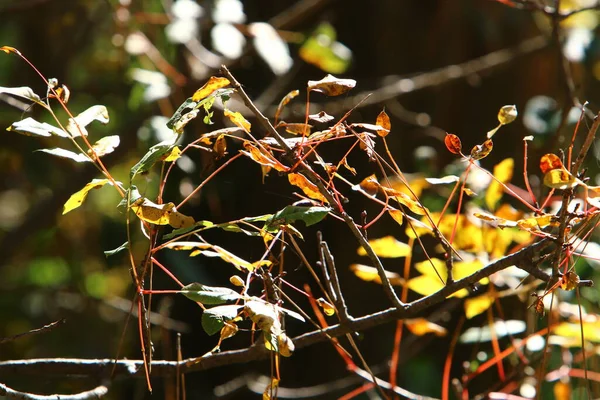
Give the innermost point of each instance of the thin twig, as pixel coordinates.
(43, 329)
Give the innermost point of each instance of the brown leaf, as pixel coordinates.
(220, 147)
(383, 120)
(369, 185)
(309, 188)
(453, 143)
(331, 86)
(549, 162)
(262, 158)
(296, 128)
(287, 98)
(482, 150)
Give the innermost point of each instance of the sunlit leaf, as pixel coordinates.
(370, 127)
(444, 180)
(387, 247)
(106, 145)
(572, 330)
(209, 87)
(154, 154)
(297, 128)
(31, 127)
(397, 215)
(482, 150)
(238, 119)
(25, 93)
(76, 126)
(291, 214)
(78, 198)
(453, 143)
(264, 315)
(271, 389)
(426, 285)
(550, 161)
(500, 329)
(507, 114)
(562, 390)
(284, 102)
(285, 345)
(476, 305)
(171, 155)
(369, 185)
(8, 50)
(560, 179)
(322, 117)
(421, 326)
(309, 188)
(322, 50)
(78, 157)
(369, 274)
(271, 47)
(328, 309)
(383, 120)
(331, 86)
(220, 147)
(184, 109)
(209, 250)
(569, 281)
(262, 158)
(160, 214)
(209, 294)
(406, 201)
(503, 172)
(367, 144)
(535, 223)
(213, 319)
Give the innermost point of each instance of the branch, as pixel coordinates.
(43, 329)
(523, 259)
(95, 393)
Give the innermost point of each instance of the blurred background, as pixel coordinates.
(435, 66)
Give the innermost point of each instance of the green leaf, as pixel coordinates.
(24, 92)
(150, 158)
(182, 231)
(213, 319)
(31, 127)
(189, 104)
(322, 50)
(76, 126)
(78, 157)
(133, 196)
(209, 294)
(310, 216)
(119, 249)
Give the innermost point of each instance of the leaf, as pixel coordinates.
(79, 197)
(322, 50)
(291, 214)
(214, 318)
(209, 250)
(154, 154)
(560, 179)
(370, 274)
(66, 154)
(482, 150)
(550, 161)
(238, 119)
(209, 294)
(220, 147)
(284, 102)
(331, 86)
(262, 158)
(476, 305)
(397, 215)
(569, 281)
(369, 185)
(106, 145)
(76, 126)
(383, 120)
(507, 114)
(297, 128)
(320, 117)
(405, 200)
(503, 172)
(285, 345)
(500, 328)
(421, 327)
(8, 50)
(572, 330)
(119, 249)
(453, 143)
(309, 188)
(171, 155)
(209, 87)
(271, 389)
(443, 181)
(160, 214)
(328, 309)
(178, 115)
(264, 315)
(25, 93)
(31, 127)
(387, 247)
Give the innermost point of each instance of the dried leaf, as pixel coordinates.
(220, 147)
(383, 120)
(238, 119)
(369, 185)
(421, 327)
(569, 281)
(331, 86)
(397, 215)
(262, 158)
(387, 247)
(209, 87)
(453, 143)
(284, 102)
(309, 188)
(320, 117)
(507, 114)
(328, 309)
(271, 390)
(482, 150)
(297, 128)
(560, 179)
(104, 146)
(78, 198)
(549, 162)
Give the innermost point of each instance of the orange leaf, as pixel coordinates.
(331, 86)
(549, 162)
(220, 147)
(8, 50)
(261, 158)
(369, 185)
(214, 83)
(328, 309)
(238, 119)
(309, 188)
(420, 327)
(383, 120)
(453, 143)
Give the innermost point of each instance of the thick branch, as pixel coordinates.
(523, 259)
(95, 393)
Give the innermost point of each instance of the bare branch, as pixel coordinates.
(43, 329)
(95, 393)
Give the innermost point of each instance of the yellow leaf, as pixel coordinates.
(213, 84)
(238, 119)
(397, 215)
(503, 172)
(172, 155)
(297, 128)
(482, 150)
(271, 389)
(405, 200)
(476, 305)
(420, 327)
(460, 269)
(535, 223)
(309, 188)
(220, 147)
(507, 114)
(77, 198)
(562, 390)
(416, 182)
(387, 247)
(560, 179)
(285, 346)
(264, 159)
(328, 309)
(572, 330)
(369, 274)
(210, 250)
(426, 285)
(161, 214)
